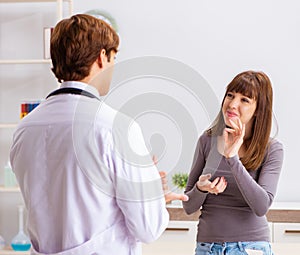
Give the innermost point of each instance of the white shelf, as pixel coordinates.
(59, 5)
(25, 61)
(9, 190)
(32, 1)
(285, 206)
(8, 125)
(8, 251)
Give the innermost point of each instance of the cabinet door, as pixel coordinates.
(179, 238)
(271, 231)
(286, 232)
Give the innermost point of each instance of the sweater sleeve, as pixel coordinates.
(196, 197)
(259, 195)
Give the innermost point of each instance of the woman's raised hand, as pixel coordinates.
(233, 138)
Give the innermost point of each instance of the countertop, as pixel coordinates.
(279, 212)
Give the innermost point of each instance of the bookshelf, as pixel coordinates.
(59, 16)
(14, 88)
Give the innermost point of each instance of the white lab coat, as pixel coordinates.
(88, 183)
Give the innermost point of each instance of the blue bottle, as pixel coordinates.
(21, 241)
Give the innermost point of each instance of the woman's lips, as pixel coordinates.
(231, 114)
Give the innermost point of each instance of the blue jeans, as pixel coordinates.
(232, 248)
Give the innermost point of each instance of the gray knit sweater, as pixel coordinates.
(237, 214)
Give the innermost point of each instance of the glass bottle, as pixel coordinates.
(2, 243)
(21, 241)
(9, 176)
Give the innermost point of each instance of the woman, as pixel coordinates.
(235, 172)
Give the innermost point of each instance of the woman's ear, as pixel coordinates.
(101, 58)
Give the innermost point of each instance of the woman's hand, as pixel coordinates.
(233, 138)
(216, 186)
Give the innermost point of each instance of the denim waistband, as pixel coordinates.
(232, 247)
(230, 244)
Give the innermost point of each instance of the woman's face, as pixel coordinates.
(237, 106)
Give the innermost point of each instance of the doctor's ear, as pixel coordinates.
(101, 57)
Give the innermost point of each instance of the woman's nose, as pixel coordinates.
(234, 103)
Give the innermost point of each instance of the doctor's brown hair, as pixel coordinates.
(255, 85)
(76, 43)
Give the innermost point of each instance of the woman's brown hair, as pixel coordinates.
(256, 85)
(76, 43)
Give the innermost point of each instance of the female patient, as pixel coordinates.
(235, 172)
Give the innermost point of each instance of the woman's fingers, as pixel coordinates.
(233, 137)
(203, 182)
(221, 185)
(243, 130)
(236, 126)
(214, 183)
(204, 177)
(218, 185)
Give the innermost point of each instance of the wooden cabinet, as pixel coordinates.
(286, 233)
(284, 224)
(178, 238)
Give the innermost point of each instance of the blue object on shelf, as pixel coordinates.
(21, 241)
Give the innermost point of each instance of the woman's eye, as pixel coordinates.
(246, 100)
(230, 95)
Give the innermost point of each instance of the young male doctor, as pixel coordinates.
(89, 184)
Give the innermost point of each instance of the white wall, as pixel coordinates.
(218, 39)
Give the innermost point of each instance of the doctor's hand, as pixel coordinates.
(170, 196)
(216, 186)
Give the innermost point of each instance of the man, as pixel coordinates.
(87, 182)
